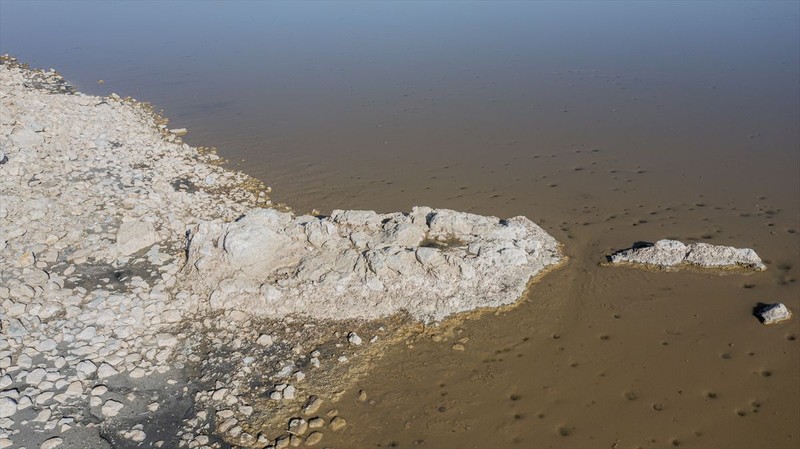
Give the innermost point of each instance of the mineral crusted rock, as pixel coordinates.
(360, 264)
(672, 254)
(772, 313)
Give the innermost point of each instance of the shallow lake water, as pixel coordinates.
(604, 122)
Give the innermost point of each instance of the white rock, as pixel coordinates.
(75, 388)
(87, 333)
(135, 435)
(51, 443)
(111, 408)
(171, 316)
(43, 416)
(288, 392)
(46, 345)
(8, 407)
(166, 340)
(86, 368)
(106, 370)
(25, 138)
(354, 339)
(668, 254)
(35, 376)
(135, 235)
(264, 340)
(773, 313)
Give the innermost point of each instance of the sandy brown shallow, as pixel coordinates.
(621, 358)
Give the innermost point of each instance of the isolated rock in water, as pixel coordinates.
(772, 313)
(135, 235)
(360, 264)
(674, 254)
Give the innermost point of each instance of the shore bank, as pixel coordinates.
(102, 345)
(108, 340)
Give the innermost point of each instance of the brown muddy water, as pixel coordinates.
(604, 122)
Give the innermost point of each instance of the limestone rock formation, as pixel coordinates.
(360, 264)
(672, 254)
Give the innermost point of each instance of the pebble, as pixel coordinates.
(135, 435)
(316, 423)
(105, 371)
(354, 339)
(51, 443)
(282, 442)
(298, 426)
(288, 392)
(86, 368)
(312, 405)
(111, 408)
(313, 438)
(338, 423)
(8, 407)
(46, 345)
(264, 340)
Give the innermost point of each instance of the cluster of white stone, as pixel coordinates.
(92, 232)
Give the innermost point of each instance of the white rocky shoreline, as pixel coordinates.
(104, 318)
(149, 296)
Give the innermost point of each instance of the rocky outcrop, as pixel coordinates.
(672, 254)
(360, 264)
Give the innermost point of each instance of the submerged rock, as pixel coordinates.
(669, 254)
(772, 313)
(359, 264)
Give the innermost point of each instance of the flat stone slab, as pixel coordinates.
(360, 264)
(772, 313)
(672, 254)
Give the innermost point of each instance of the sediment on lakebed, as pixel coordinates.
(111, 339)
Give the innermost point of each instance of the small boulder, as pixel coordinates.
(772, 313)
